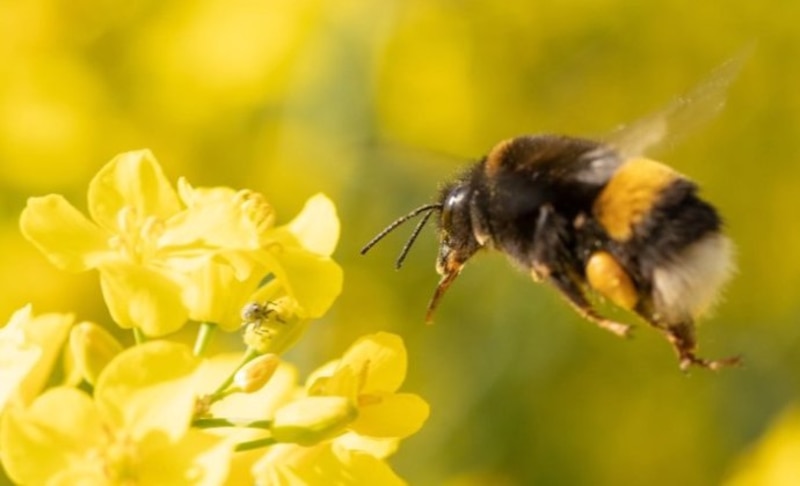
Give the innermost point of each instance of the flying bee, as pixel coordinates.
(598, 217)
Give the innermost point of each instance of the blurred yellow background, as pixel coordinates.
(376, 103)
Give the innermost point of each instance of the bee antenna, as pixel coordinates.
(429, 208)
(412, 239)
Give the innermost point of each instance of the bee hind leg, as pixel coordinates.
(573, 294)
(682, 338)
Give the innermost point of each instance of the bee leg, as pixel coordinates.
(574, 296)
(682, 338)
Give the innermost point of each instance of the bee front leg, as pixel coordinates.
(574, 295)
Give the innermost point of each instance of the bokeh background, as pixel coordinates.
(376, 103)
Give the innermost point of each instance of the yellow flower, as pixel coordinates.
(214, 243)
(129, 201)
(296, 260)
(306, 280)
(134, 431)
(348, 421)
(166, 256)
(29, 346)
(301, 259)
(370, 373)
(322, 465)
(773, 460)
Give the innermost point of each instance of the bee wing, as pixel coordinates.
(682, 116)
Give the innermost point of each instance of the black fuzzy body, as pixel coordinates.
(534, 199)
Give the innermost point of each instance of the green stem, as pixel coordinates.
(220, 391)
(209, 423)
(204, 335)
(86, 386)
(255, 444)
(138, 335)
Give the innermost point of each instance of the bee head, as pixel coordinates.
(457, 237)
(457, 241)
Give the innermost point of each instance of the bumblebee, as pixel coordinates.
(594, 217)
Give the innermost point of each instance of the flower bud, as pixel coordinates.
(274, 326)
(92, 348)
(310, 420)
(257, 373)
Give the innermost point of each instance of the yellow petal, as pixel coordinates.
(29, 347)
(133, 180)
(378, 447)
(65, 236)
(142, 297)
(390, 415)
(57, 433)
(362, 469)
(309, 420)
(345, 382)
(17, 360)
(384, 358)
(323, 465)
(317, 225)
(216, 292)
(315, 383)
(198, 458)
(148, 388)
(83, 477)
(219, 217)
(314, 281)
(92, 348)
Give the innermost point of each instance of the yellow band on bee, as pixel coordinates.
(607, 277)
(496, 156)
(630, 194)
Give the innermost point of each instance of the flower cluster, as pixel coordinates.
(160, 412)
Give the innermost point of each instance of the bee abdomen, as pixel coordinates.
(668, 237)
(630, 195)
(689, 284)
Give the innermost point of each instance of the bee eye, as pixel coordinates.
(455, 200)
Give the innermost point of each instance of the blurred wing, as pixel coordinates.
(682, 116)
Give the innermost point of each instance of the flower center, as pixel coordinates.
(256, 208)
(118, 458)
(138, 236)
